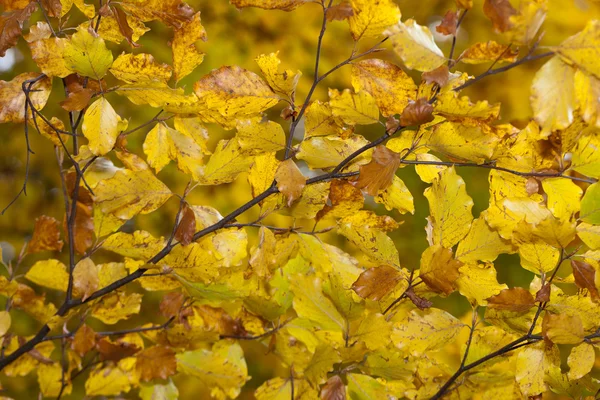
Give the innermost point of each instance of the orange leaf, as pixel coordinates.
(441, 272)
(77, 100)
(187, 227)
(499, 12)
(585, 276)
(515, 299)
(340, 12)
(379, 173)
(171, 304)
(417, 113)
(448, 24)
(157, 362)
(376, 282)
(290, 180)
(440, 75)
(110, 351)
(84, 340)
(333, 389)
(46, 236)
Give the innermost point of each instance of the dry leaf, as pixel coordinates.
(333, 389)
(532, 186)
(379, 173)
(514, 299)
(376, 282)
(110, 351)
(77, 100)
(417, 113)
(448, 24)
(84, 340)
(418, 301)
(439, 270)
(499, 12)
(585, 276)
(171, 304)
(543, 295)
(46, 236)
(157, 362)
(186, 227)
(440, 75)
(340, 12)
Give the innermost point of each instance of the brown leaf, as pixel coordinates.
(53, 7)
(448, 24)
(187, 227)
(585, 277)
(171, 304)
(418, 301)
(440, 75)
(441, 273)
(333, 389)
(543, 295)
(391, 125)
(157, 362)
(514, 299)
(85, 278)
(217, 320)
(379, 173)
(499, 12)
(46, 236)
(84, 340)
(11, 25)
(110, 351)
(340, 12)
(532, 186)
(290, 180)
(376, 282)
(83, 229)
(124, 27)
(78, 100)
(417, 113)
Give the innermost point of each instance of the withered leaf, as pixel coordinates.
(333, 389)
(514, 299)
(440, 271)
(11, 25)
(110, 351)
(186, 227)
(499, 12)
(585, 276)
(340, 12)
(171, 304)
(440, 75)
(46, 236)
(379, 173)
(84, 340)
(448, 24)
(376, 282)
(417, 113)
(157, 362)
(543, 295)
(77, 100)
(418, 301)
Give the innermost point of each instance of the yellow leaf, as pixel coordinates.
(227, 162)
(50, 380)
(158, 94)
(235, 92)
(262, 173)
(415, 45)
(257, 137)
(138, 68)
(424, 331)
(453, 107)
(553, 95)
(589, 234)
(507, 213)
(281, 82)
(428, 173)
(532, 364)
(482, 244)
(117, 306)
(323, 152)
(526, 24)
(310, 303)
(48, 55)
(193, 127)
(581, 49)
(290, 180)
(12, 97)
(222, 369)
(354, 108)
(367, 231)
(85, 278)
(281, 389)
(107, 381)
(587, 91)
(186, 57)
(86, 54)
(586, 157)
(101, 126)
(564, 197)
(5, 322)
(49, 273)
(109, 29)
(363, 387)
(391, 87)
(581, 360)
(319, 121)
(478, 282)
(484, 52)
(562, 328)
(372, 329)
(370, 18)
(167, 391)
(322, 362)
(450, 208)
(468, 139)
(397, 196)
(590, 205)
(129, 192)
(139, 245)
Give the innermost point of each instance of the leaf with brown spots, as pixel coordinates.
(417, 113)
(46, 236)
(514, 299)
(376, 282)
(157, 362)
(379, 173)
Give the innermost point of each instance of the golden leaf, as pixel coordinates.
(12, 97)
(371, 18)
(290, 180)
(101, 126)
(86, 54)
(156, 362)
(46, 235)
(377, 282)
(186, 57)
(415, 45)
(354, 108)
(281, 82)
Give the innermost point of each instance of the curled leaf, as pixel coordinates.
(379, 173)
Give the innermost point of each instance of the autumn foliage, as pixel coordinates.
(261, 216)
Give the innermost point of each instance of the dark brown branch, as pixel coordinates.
(460, 20)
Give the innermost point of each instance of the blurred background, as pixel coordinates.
(236, 38)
